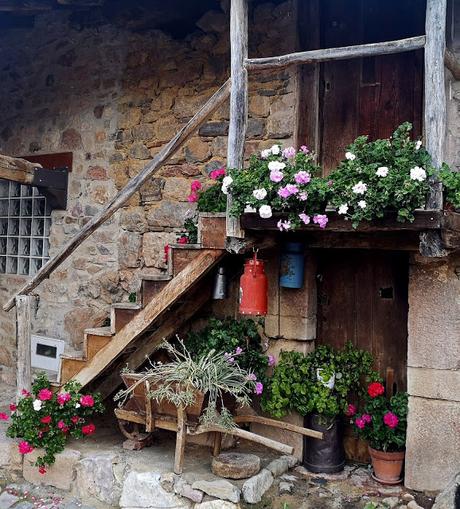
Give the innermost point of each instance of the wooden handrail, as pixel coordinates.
(341, 53)
(123, 196)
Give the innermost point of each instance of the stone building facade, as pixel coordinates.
(113, 96)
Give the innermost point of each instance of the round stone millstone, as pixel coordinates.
(235, 465)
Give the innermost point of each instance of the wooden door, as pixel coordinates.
(369, 96)
(363, 297)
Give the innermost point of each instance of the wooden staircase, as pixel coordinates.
(163, 304)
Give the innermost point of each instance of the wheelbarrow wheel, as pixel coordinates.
(131, 430)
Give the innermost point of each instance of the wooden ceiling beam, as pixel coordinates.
(16, 169)
(22, 6)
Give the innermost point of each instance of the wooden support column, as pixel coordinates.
(435, 114)
(23, 328)
(238, 99)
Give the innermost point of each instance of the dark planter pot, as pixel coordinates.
(327, 455)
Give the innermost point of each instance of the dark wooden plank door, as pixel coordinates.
(365, 96)
(363, 297)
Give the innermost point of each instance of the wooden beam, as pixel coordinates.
(185, 280)
(278, 424)
(238, 99)
(125, 194)
(341, 53)
(24, 5)
(23, 328)
(452, 63)
(17, 170)
(435, 112)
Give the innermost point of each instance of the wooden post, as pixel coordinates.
(238, 99)
(435, 115)
(23, 328)
(180, 440)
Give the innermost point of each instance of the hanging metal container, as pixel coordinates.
(219, 291)
(292, 265)
(253, 288)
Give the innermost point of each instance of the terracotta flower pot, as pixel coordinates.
(387, 466)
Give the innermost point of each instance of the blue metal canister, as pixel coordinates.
(292, 265)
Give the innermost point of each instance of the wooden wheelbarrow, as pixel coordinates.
(141, 412)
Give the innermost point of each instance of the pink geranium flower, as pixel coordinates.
(271, 360)
(183, 239)
(192, 197)
(302, 177)
(46, 419)
(391, 420)
(289, 152)
(24, 447)
(196, 185)
(87, 400)
(351, 410)
(89, 429)
(45, 395)
(3, 416)
(259, 388)
(304, 218)
(360, 423)
(251, 377)
(321, 220)
(25, 393)
(61, 425)
(216, 174)
(304, 149)
(366, 418)
(276, 176)
(63, 397)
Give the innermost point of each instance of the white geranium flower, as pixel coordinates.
(226, 183)
(265, 211)
(37, 404)
(265, 153)
(276, 165)
(77, 405)
(382, 171)
(259, 194)
(362, 204)
(417, 173)
(343, 209)
(350, 156)
(249, 209)
(276, 149)
(360, 188)
(418, 144)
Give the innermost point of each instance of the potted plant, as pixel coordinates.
(46, 420)
(451, 183)
(204, 383)
(383, 425)
(318, 386)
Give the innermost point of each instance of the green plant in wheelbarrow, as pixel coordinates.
(213, 377)
(318, 386)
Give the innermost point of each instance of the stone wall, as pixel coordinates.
(113, 97)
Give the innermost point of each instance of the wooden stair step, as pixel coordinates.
(121, 314)
(99, 331)
(151, 286)
(70, 366)
(180, 255)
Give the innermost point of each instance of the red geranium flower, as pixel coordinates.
(46, 419)
(391, 420)
(351, 410)
(183, 239)
(75, 419)
(89, 429)
(13, 407)
(24, 447)
(3, 416)
(375, 389)
(42, 470)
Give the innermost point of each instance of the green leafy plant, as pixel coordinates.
(377, 176)
(319, 382)
(383, 421)
(238, 338)
(284, 182)
(43, 419)
(451, 182)
(212, 374)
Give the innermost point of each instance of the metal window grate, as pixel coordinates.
(25, 221)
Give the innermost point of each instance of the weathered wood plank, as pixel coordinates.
(341, 53)
(435, 112)
(452, 63)
(23, 332)
(139, 324)
(123, 196)
(180, 441)
(238, 99)
(17, 169)
(424, 220)
(278, 424)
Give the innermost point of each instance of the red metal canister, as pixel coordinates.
(253, 288)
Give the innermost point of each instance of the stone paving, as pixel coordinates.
(97, 473)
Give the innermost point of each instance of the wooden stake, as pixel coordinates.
(23, 328)
(238, 99)
(123, 196)
(180, 441)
